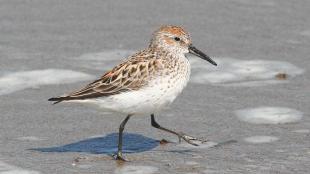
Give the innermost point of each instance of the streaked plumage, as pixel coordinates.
(145, 82)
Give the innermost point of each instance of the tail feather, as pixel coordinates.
(57, 99)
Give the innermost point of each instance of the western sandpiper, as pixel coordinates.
(145, 82)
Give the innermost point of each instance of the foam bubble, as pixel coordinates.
(302, 131)
(33, 79)
(269, 115)
(260, 139)
(136, 170)
(210, 171)
(29, 138)
(10, 169)
(236, 72)
(305, 33)
(191, 163)
(204, 145)
(84, 166)
(265, 3)
(102, 60)
(107, 55)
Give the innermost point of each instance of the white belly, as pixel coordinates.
(158, 94)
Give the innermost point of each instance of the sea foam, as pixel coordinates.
(21, 80)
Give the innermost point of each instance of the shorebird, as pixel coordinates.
(145, 82)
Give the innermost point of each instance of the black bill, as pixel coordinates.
(200, 54)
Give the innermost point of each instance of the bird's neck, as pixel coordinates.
(168, 51)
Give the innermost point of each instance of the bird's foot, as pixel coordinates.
(119, 157)
(190, 139)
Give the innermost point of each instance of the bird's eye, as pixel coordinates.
(177, 39)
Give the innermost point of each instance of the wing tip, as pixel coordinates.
(56, 100)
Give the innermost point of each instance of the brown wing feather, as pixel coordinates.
(132, 74)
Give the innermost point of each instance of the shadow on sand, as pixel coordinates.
(132, 143)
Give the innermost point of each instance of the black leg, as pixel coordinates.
(181, 135)
(119, 155)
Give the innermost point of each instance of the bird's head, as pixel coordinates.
(176, 40)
